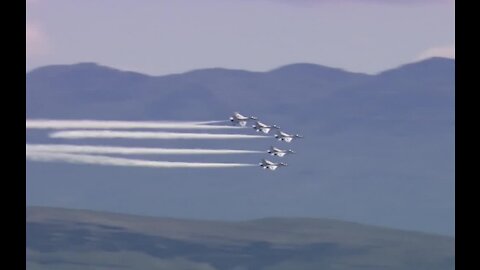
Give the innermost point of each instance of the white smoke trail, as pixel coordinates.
(78, 134)
(112, 161)
(96, 124)
(59, 148)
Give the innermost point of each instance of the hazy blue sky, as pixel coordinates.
(162, 37)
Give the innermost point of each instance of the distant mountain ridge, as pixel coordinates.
(96, 84)
(290, 67)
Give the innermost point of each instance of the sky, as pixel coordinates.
(164, 37)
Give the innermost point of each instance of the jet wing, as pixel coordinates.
(265, 130)
(272, 167)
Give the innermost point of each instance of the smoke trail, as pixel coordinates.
(112, 161)
(95, 124)
(56, 148)
(78, 134)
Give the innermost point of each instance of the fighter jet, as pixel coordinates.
(259, 126)
(282, 136)
(279, 152)
(272, 166)
(237, 118)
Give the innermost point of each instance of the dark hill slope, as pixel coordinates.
(68, 239)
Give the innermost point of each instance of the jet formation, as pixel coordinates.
(241, 120)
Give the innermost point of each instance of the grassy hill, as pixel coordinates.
(82, 239)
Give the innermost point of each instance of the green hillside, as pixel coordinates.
(81, 239)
